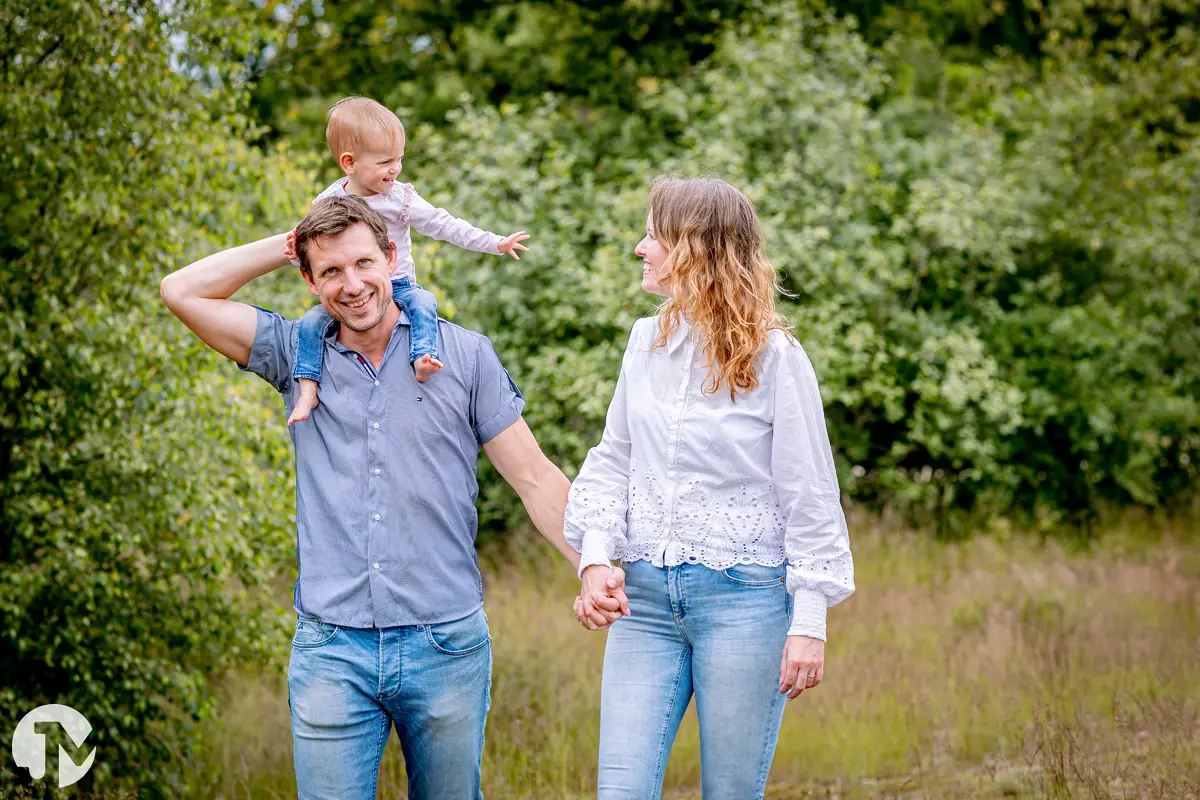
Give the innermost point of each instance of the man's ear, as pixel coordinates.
(346, 162)
(392, 256)
(308, 279)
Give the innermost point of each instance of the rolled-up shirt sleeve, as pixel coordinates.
(496, 402)
(595, 523)
(820, 568)
(438, 223)
(274, 350)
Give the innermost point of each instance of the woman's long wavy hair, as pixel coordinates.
(718, 272)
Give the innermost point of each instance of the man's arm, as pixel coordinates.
(543, 489)
(538, 482)
(199, 295)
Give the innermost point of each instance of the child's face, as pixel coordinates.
(374, 169)
(653, 255)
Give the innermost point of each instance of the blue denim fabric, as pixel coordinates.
(422, 309)
(347, 687)
(718, 635)
(420, 305)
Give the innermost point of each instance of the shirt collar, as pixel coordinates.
(679, 335)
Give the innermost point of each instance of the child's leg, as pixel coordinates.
(309, 351)
(422, 310)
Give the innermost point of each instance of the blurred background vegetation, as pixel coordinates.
(987, 212)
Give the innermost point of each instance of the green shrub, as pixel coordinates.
(143, 499)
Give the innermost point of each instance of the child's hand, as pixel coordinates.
(289, 249)
(509, 244)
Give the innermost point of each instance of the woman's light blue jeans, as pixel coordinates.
(347, 687)
(716, 634)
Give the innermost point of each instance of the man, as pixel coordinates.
(391, 628)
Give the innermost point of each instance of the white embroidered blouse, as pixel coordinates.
(681, 476)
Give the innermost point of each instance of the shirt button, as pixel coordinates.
(376, 425)
(376, 383)
(377, 470)
(375, 565)
(377, 518)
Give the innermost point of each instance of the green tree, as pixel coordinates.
(141, 509)
(997, 284)
(424, 56)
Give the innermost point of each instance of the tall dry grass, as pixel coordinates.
(1001, 666)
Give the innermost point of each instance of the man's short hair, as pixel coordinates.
(356, 122)
(332, 216)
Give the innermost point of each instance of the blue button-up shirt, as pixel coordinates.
(386, 477)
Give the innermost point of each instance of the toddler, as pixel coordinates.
(368, 142)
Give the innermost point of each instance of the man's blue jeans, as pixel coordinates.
(715, 634)
(420, 305)
(347, 687)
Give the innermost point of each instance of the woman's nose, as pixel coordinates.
(640, 250)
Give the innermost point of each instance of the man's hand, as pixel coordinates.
(510, 244)
(803, 665)
(602, 599)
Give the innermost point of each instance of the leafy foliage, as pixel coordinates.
(141, 509)
(997, 286)
(427, 55)
(991, 247)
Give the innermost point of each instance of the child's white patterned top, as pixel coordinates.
(403, 208)
(681, 476)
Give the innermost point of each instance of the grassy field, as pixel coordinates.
(1001, 666)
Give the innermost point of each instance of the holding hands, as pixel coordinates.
(602, 599)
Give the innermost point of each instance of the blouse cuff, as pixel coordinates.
(593, 552)
(809, 609)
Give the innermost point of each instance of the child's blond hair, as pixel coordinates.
(355, 122)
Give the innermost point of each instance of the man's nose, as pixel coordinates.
(352, 283)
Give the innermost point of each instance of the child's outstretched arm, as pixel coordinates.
(438, 223)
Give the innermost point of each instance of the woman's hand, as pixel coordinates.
(803, 665)
(602, 599)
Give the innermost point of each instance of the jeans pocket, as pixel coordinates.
(756, 576)
(459, 637)
(312, 632)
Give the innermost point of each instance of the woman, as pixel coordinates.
(714, 485)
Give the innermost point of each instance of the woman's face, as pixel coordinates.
(653, 256)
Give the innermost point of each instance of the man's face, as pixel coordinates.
(351, 276)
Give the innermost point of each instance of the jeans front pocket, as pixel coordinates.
(459, 637)
(312, 632)
(756, 576)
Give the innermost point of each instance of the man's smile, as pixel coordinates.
(358, 303)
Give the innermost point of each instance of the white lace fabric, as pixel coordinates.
(684, 477)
